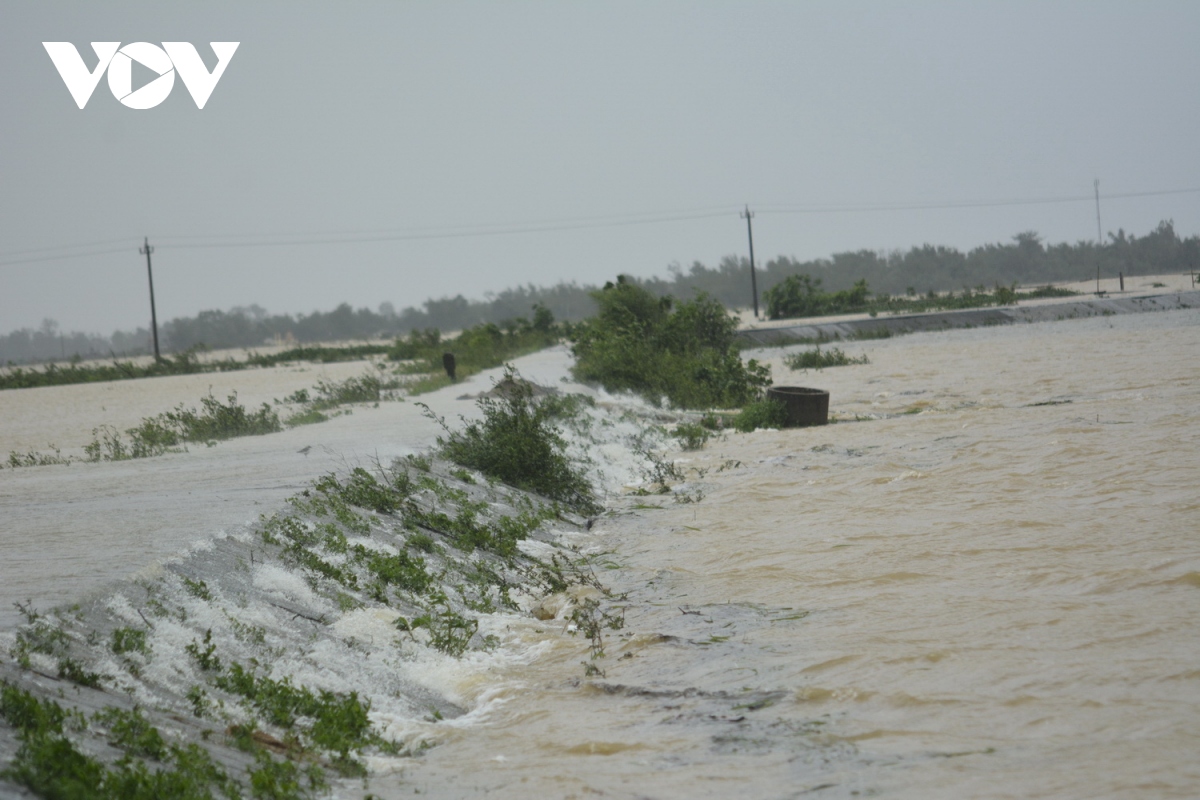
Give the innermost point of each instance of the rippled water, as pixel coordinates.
(983, 582)
(989, 586)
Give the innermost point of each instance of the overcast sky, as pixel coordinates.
(416, 128)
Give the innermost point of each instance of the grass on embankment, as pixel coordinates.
(483, 346)
(431, 549)
(215, 421)
(185, 363)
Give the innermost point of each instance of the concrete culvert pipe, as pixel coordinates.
(804, 406)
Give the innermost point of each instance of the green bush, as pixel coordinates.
(218, 420)
(761, 414)
(801, 296)
(517, 443)
(684, 352)
(818, 359)
(692, 435)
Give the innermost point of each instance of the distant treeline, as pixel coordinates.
(1026, 260)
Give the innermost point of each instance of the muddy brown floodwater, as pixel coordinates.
(988, 586)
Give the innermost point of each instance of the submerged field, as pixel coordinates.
(980, 582)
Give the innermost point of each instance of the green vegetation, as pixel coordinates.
(217, 420)
(448, 630)
(431, 544)
(684, 352)
(766, 413)
(168, 431)
(802, 296)
(590, 620)
(363, 389)
(819, 359)
(692, 435)
(333, 722)
(185, 363)
(36, 459)
(477, 348)
(517, 442)
(50, 765)
(322, 355)
(129, 640)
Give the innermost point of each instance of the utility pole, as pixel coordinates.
(1099, 236)
(747, 215)
(147, 249)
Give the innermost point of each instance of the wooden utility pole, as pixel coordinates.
(747, 215)
(1099, 236)
(147, 249)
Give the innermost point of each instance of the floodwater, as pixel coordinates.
(984, 581)
(989, 586)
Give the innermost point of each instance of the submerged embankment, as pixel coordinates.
(876, 327)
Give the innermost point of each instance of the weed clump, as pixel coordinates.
(218, 420)
(363, 389)
(50, 765)
(820, 359)
(658, 348)
(768, 413)
(692, 435)
(517, 442)
(168, 431)
(36, 459)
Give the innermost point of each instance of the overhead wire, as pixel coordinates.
(64, 257)
(467, 233)
(204, 241)
(784, 209)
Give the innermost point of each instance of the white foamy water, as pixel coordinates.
(986, 586)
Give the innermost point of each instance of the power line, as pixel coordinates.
(619, 219)
(204, 241)
(463, 233)
(352, 237)
(64, 247)
(64, 257)
(1030, 201)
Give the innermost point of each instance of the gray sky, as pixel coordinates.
(401, 120)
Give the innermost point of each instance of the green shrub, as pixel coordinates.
(761, 414)
(517, 443)
(684, 352)
(691, 435)
(818, 359)
(129, 640)
(166, 432)
(801, 296)
(217, 420)
(363, 389)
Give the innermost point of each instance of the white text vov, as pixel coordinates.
(172, 57)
